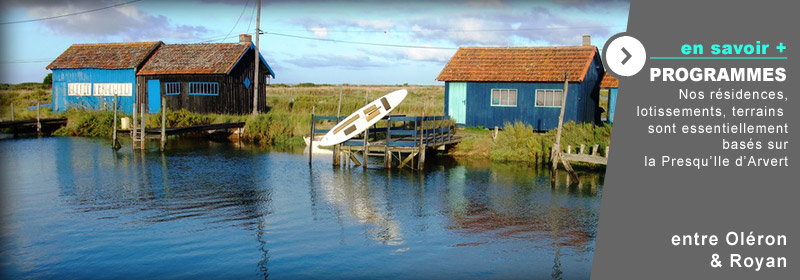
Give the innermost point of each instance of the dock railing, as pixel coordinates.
(401, 131)
(404, 137)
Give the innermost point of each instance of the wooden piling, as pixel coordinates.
(38, 118)
(583, 148)
(311, 135)
(607, 147)
(133, 126)
(422, 138)
(142, 125)
(163, 122)
(365, 152)
(557, 155)
(387, 155)
(12, 111)
(115, 141)
(337, 157)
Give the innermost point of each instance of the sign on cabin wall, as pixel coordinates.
(79, 89)
(111, 89)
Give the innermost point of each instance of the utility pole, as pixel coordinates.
(258, 61)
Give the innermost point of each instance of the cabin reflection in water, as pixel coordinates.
(208, 208)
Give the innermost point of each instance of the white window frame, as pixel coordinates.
(551, 93)
(111, 89)
(505, 95)
(79, 89)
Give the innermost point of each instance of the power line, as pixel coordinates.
(72, 14)
(458, 30)
(237, 21)
(252, 18)
(359, 43)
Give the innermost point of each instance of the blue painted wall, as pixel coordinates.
(612, 102)
(582, 102)
(62, 101)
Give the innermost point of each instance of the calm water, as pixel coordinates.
(74, 209)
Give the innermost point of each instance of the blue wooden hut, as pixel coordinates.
(90, 75)
(489, 86)
(611, 85)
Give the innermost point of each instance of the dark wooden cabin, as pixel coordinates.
(203, 78)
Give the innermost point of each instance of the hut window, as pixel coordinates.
(504, 97)
(549, 98)
(111, 89)
(172, 88)
(203, 88)
(79, 89)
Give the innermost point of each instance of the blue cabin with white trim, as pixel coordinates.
(491, 86)
(89, 76)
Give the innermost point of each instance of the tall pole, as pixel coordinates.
(258, 61)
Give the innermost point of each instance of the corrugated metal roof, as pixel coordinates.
(218, 58)
(609, 82)
(518, 64)
(105, 55)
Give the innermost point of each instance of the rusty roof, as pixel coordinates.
(518, 64)
(609, 82)
(105, 55)
(216, 58)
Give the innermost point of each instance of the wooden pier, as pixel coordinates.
(401, 141)
(155, 133)
(45, 126)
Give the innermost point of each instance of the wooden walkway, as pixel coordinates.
(155, 133)
(34, 126)
(401, 140)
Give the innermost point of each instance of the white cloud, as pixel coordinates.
(319, 32)
(376, 24)
(126, 22)
(439, 55)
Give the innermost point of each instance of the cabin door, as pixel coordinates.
(59, 96)
(458, 101)
(153, 96)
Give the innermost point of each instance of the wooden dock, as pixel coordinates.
(34, 126)
(401, 141)
(155, 133)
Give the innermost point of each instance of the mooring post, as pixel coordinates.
(133, 126)
(12, 111)
(163, 122)
(337, 157)
(387, 156)
(142, 133)
(115, 142)
(366, 133)
(557, 156)
(38, 119)
(422, 139)
(311, 135)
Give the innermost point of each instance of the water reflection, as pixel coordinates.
(207, 208)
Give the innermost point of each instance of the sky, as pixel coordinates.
(333, 42)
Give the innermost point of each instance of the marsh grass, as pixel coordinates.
(518, 142)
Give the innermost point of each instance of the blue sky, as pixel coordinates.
(308, 41)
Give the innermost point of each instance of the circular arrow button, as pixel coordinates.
(625, 56)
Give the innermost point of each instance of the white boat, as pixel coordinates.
(314, 147)
(363, 118)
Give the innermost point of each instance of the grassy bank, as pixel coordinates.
(286, 121)
(288, 118)
(23, 96)
(517, 142)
